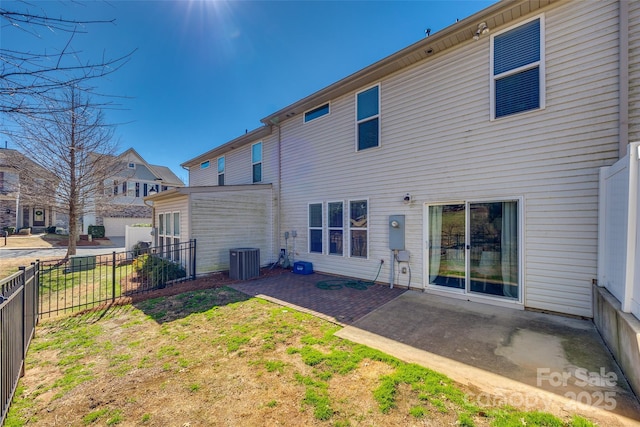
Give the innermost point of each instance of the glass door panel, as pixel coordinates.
(447, 245)
(493, 253)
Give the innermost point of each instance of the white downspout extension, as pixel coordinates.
(623, 84)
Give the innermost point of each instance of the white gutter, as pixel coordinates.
(623, 84)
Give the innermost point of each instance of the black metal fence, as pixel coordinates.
(84, 282)
(18, 319)
(78, 283)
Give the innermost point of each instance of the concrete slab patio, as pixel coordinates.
(522, 358)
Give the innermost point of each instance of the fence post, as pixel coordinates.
(193, 260)
(113, 277)
(23, 272)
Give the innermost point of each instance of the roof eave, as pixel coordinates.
(463, 31)
(247, 138)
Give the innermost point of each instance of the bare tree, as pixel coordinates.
(30, 80)
(76, 148)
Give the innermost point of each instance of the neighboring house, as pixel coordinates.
(124, 193)
(17, 208)
(468, 162)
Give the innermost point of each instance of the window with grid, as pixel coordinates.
(517, 69)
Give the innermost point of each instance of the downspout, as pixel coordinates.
(623, 84)
(279, 192)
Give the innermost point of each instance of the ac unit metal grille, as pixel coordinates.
(244, 263)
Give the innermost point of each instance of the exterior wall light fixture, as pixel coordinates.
(482, 29)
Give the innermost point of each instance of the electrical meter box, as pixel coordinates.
(396, 232)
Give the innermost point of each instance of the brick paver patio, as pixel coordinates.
(343, 306)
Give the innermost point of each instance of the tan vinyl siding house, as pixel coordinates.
(238, 214)
(439, 143)
(503, 203)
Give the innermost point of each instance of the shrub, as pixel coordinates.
(9, 230)
(140, 248)
(157, 271)
(96, 231)
(51, 230)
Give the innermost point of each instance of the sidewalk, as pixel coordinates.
(45, 241)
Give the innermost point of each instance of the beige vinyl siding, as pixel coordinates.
(238, 169)
(201, 177)
(634, 71)
(438, 144)
(231, 218)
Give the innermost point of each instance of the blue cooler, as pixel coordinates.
(302, 267)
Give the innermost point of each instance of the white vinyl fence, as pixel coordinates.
(619, 230)
(133, 235)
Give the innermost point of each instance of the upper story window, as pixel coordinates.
(256, 161)
(368, 118)
(221, 170)
(323, 110)
(132, 165)
(205, 165)
(517, 69)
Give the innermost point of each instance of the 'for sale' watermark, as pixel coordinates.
(583, 387)
(581, 377)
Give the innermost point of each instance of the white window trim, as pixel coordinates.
(349, 228)
(304, 115)
(460, 293)
(173, 224)
(540, 64)
(321, 228)
(260, 162)
(329, 228)
(224, 167)
(378, 116)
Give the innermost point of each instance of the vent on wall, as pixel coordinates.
(244, 263)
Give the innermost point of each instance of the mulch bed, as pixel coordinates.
(210, 281)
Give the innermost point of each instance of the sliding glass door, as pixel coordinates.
(474, 247)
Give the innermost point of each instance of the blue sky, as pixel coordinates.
(205, 71)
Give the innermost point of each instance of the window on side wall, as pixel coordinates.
(335, 219)
(221, 170)
(315, 228)
(316, 113)
(205, 165)
(256, 161)
(368, 118)
(517, 69)
(358, 228)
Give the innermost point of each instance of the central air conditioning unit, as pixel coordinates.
(244, 263)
